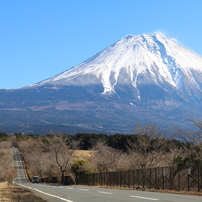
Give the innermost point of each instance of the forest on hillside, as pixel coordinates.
(59, 155)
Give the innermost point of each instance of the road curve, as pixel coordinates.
(91, 194)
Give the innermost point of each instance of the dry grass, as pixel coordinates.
(16, 193)
(177, 192)
(83, 153)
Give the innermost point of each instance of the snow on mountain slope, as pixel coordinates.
(146, 59)
(149, 79)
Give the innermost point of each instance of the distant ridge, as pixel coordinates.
(148, 78)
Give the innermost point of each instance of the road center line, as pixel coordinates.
(83, 189)
(102, 192)
(152, 199)
(69, 188)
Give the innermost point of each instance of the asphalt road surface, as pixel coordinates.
(17, 163)
(91, 194)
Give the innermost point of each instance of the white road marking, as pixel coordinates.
(83, 189)
(152, 199)
(63, 199)
(102, 192)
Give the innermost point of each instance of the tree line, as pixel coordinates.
(56, 155)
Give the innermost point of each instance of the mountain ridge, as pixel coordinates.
(150, 79)
(158, 62)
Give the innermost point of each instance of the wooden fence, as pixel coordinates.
(186, 178)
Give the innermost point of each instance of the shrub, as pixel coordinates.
(81, 166)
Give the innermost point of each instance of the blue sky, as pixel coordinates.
(41, 38)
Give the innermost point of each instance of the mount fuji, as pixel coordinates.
(150, 79)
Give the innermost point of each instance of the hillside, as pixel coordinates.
(149, 79)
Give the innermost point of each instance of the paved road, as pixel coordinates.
(91, 194)
(17, 163)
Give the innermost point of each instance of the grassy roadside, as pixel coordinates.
(16, 193)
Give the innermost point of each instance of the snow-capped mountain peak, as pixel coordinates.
(149, 79)
(144, 59)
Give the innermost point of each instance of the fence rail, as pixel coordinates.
(186, 178)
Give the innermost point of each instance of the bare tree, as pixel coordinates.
(62, 148)
(48, 156)
(33, 153)
(11, 174)
(5, 159)
(149, 149)
(105, 158)
(191, 143)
